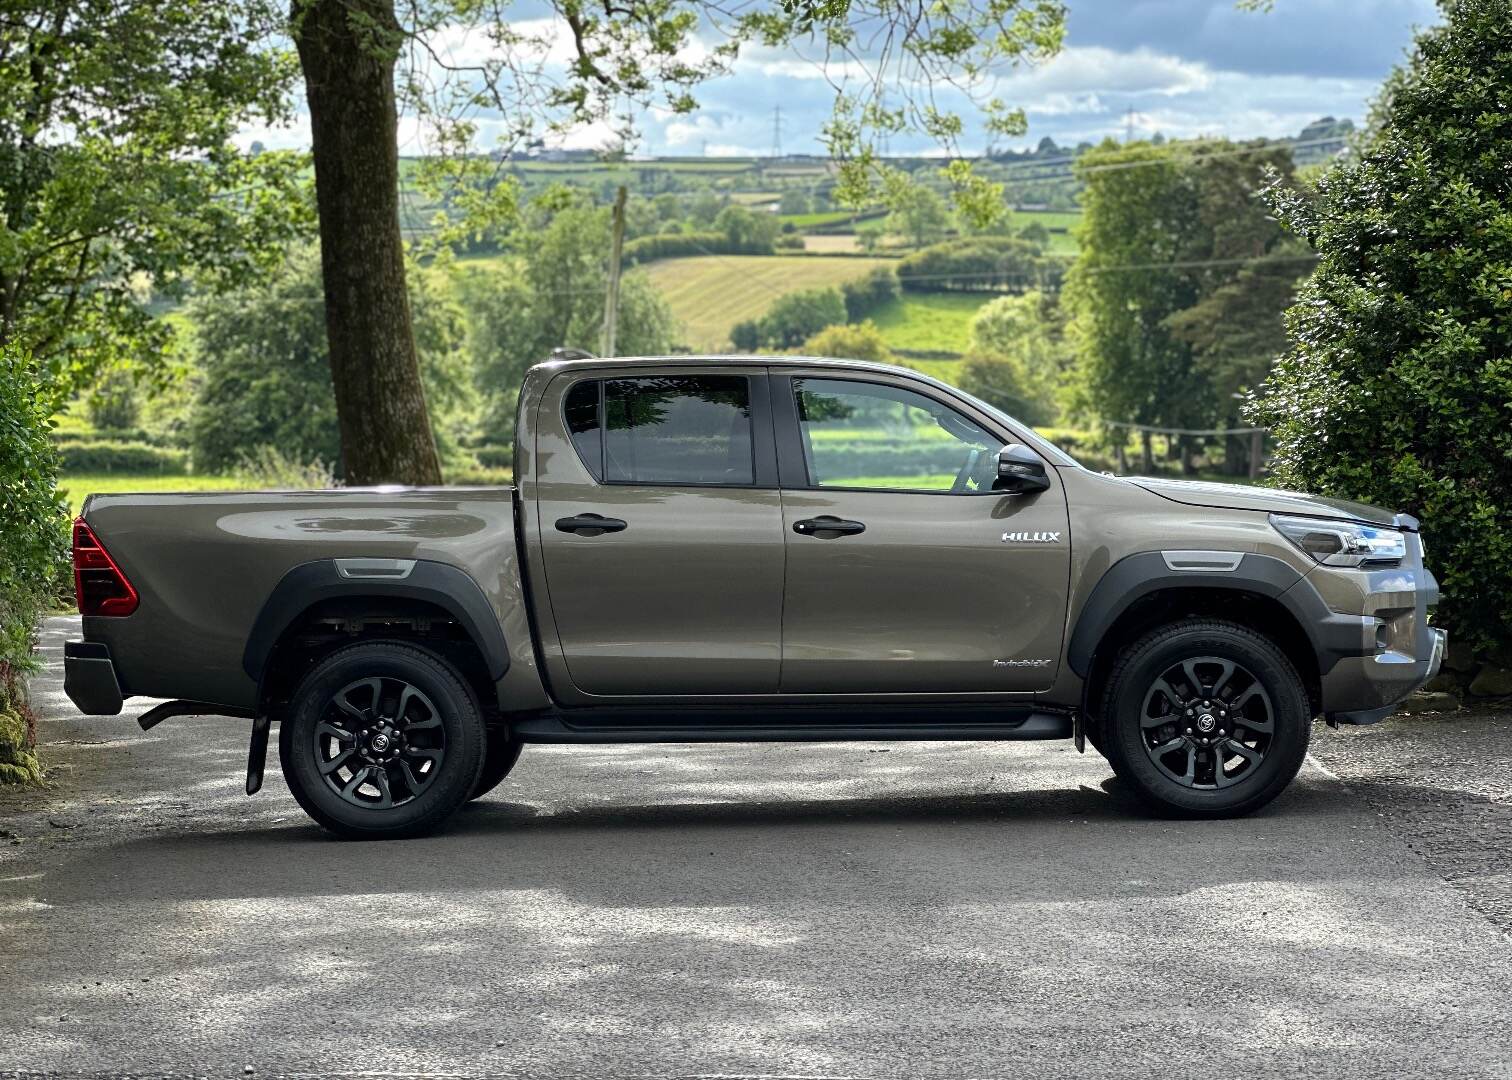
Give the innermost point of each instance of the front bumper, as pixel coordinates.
(89, 678)
(1402, 651)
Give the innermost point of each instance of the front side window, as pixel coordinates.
(884, 438)
(664, 429)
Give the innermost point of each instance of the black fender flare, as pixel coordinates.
(1330, 634)
(447, 587)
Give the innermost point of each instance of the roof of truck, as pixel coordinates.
(733, 358)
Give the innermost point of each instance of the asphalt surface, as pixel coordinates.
(853, 910)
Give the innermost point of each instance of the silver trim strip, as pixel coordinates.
(370, 569)
(1203, 562)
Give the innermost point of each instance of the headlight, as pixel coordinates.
(1342, 543)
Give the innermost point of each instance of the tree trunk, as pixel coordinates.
(1147, 453)
(347, 50)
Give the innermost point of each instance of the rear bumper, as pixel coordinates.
(89, 678)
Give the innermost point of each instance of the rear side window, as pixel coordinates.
(664, 429)
(582, 409)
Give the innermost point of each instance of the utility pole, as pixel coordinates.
(617, 248)
(777, 131)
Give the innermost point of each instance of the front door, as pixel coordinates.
(661, 528)
(906, 572)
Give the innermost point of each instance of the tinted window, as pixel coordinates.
(582, 409)
(667, 429)
(873, 436)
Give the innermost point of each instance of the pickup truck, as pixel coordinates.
(745, 549)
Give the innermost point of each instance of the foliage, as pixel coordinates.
(265, 376)
(919, 215)
(108, 456)
(864, 296)
(1164, 228)
(270, 467)
(111, 403)
(552, 297)
(746, 233)
(796, 317)
(118, 180)
(858, 341)
(1019, 357)
(645, 249)
(32, 545)
(1397, 388)
(975, 264)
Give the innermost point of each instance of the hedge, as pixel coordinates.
(495, 457)
(33, 542)
(126, 457)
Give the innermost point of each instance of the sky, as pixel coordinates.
(1184, 67)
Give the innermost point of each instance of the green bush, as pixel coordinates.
(89, 435)
(125, 457)
(33, 543)
(479, 477)
(644, 249)
(977, 264)
(798, 316)
(1397, 388)
(495, 457)
(865, 295)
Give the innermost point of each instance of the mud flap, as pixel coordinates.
(257, 754)
(1078, 735)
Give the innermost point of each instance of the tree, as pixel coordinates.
(554, 297)
(856, 341)
(1019, 355)
(638, 52)
(797, 316)
(264, 370)
(1163, 229)
(348, 49)
(746, 232)
(1397, 384)
(920, 215)
(118, 180)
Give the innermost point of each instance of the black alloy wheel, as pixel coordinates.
(1207, 722)
(381, 742)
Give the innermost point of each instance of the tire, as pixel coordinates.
(499, 759)
(1225, 759)
(429, 755)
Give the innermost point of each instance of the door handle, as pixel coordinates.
(826, 527)
(589, 524)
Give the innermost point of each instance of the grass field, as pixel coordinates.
(76, 488)
(933, 322)
(711, 293)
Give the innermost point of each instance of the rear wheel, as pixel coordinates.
(1205, 719)
(381, 740)
(498, 760)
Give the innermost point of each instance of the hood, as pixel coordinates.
(1267, 500)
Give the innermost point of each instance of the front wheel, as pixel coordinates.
(381, 740)
(1205, 719)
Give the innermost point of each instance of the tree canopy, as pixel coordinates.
(1397, 387)
(118, 179)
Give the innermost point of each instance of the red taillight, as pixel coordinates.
(99, 585)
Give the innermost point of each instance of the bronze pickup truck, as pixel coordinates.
(744, 549)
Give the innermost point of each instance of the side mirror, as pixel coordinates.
(1020, 471)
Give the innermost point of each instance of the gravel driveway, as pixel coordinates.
(849, 910)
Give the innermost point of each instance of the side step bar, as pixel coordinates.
(660, 728)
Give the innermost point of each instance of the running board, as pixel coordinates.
(815, 726)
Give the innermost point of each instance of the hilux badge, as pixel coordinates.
(1031, 537)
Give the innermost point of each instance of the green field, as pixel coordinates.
(76, 488)
(930, 322)
(711, 293)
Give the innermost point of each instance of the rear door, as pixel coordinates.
(660, 523)
(906, 572)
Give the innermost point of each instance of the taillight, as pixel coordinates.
(99, 585)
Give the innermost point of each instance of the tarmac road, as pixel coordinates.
(848, 910)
